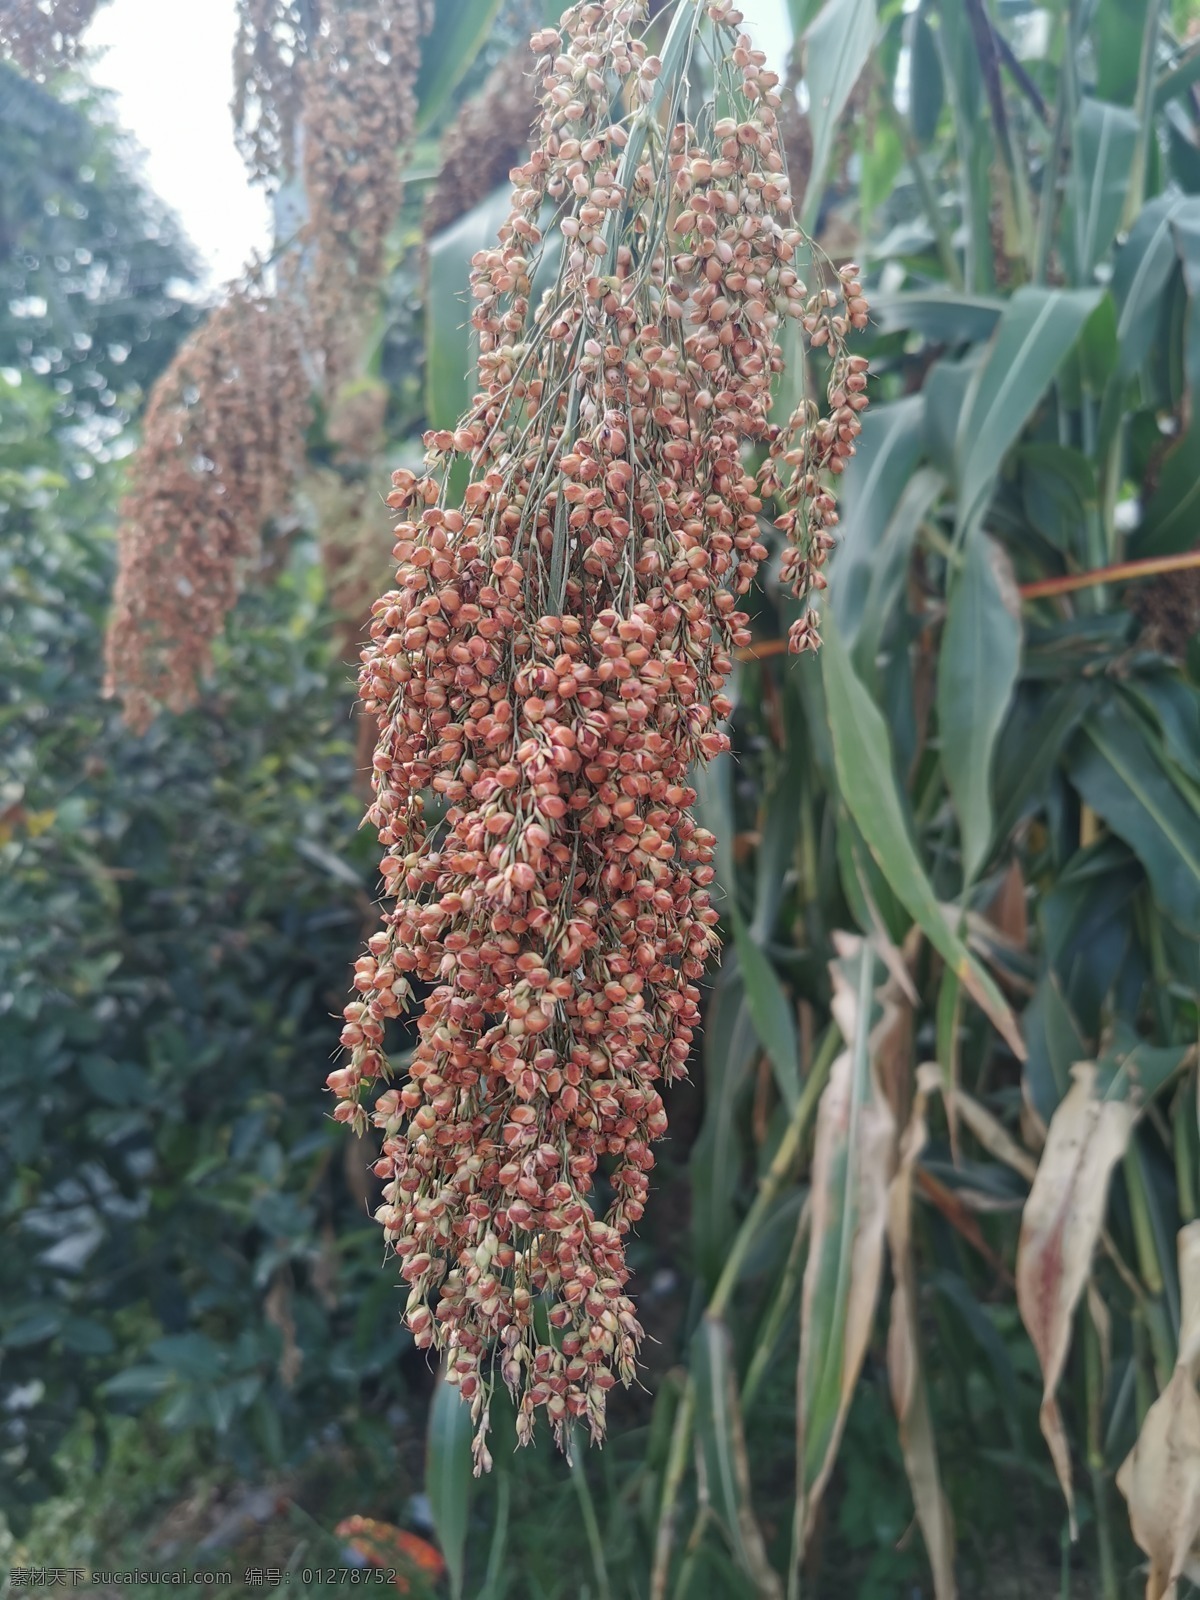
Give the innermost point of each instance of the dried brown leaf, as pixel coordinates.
(917, 1442)
(1008, 912)
(1160, 1478)
(1059, 1229)
(995, 1138)
(854, 1155)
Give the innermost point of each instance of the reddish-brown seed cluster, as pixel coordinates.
(359, 106)
(225, 424)
(222, 440)
(41, 34)
(815, 443)
(272, 38)
(328, 90)
(489, 135)
(550, 665)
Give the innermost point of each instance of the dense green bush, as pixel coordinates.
(180, 1224)
(174, 922)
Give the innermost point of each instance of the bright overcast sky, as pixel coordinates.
(173, 81)
(170, 65)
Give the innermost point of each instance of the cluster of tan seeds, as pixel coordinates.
(272, 39)
(359, 106)
(222, 440)
(345, 498)
(551, 664)
(487, 138)
(224, 427)
(41, 34)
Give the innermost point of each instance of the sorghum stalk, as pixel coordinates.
(550, 664)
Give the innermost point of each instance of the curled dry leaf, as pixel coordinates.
(995, 1138)
(852, 1166)
(1008, 912)
(1060, 1226)
(917, 1442)
(1160, 1477)
(277, 1307)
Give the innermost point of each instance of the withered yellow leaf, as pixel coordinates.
(1059, 1228)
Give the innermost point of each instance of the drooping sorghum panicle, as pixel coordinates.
(42, 34)
(488, 137)
(270, 42)
(222, 441)
(815, 443)
(1168, 609)
(225, 426)
(550, 664)
(330, 90)
(359, 107)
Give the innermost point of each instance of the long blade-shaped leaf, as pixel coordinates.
(852, 1164)
(1142, 267)
(777, 842)
(862, 755)
(448, 1475)
(889, 571)
(726, 1466)
(448, 344)
(730, 1050)
(838, 43)
(1060, 1225)
(771, 1013)
(459, 30)
(1160, 1478)
(1037, 330)
(917, 1442)
(1169, 524)
(885, 461)
(1105, 140)
(977, 672)
(1116, 769)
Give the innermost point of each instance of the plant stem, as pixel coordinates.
(1042, 589)
(1143, 109)
(499, 1538)
(1182, 1123)
(1119, 572)
(591, 1526)
(773, 1322)
(681, 1435)
(768, 1189)
(1049, 195)
(1094, 1379)
(1143, 1231)
(930, 206)
(773, 1179)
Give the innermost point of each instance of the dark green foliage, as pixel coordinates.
(182, 1225)
(94, 272)
(174, 922)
